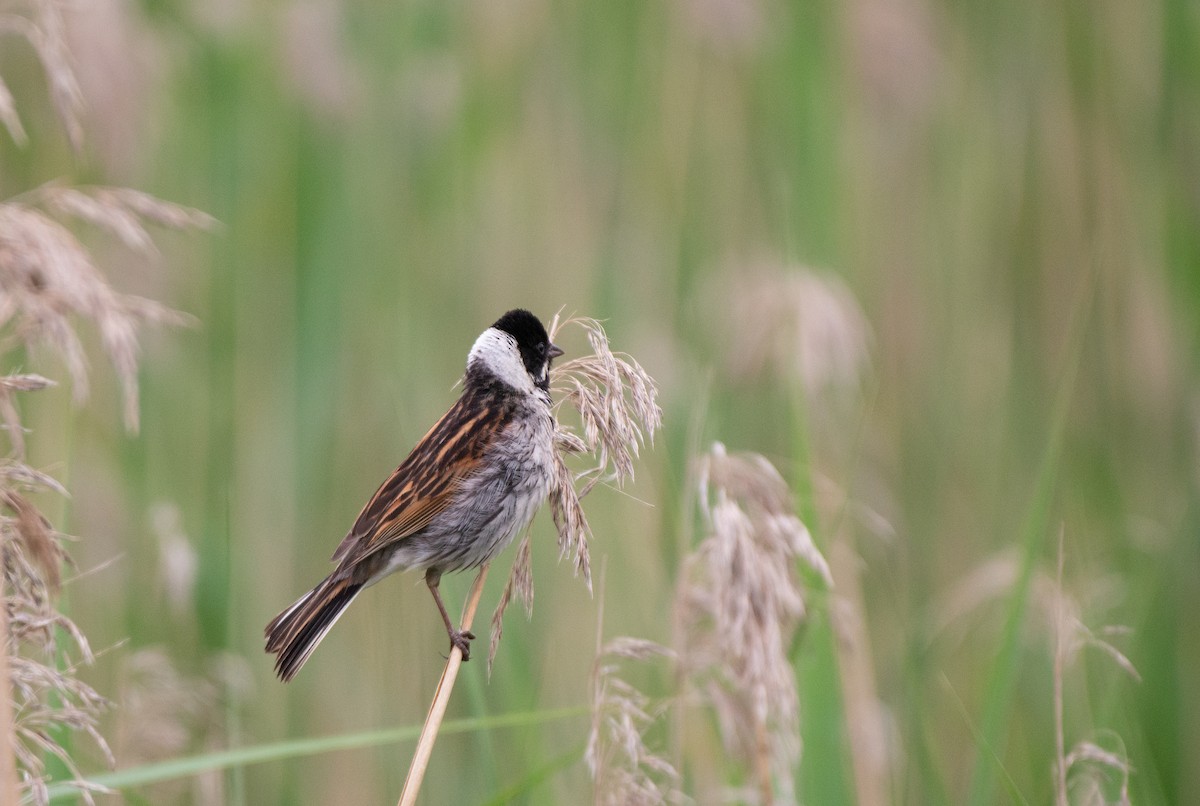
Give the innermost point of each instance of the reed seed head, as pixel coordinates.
(796, 323)
(617, 403)
(624, 770)
(47, 278)
(738, 607)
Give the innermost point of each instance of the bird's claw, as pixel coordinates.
(462, 639)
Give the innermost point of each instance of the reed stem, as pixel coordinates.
(9, 783)
(441, 698)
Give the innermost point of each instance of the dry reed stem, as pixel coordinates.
(441, 698)
(1060, 663)
(9, 784)
(856, 669)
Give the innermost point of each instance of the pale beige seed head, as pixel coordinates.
(617, 403)
(47, 278)
(624, 769)
(42, 645)
(42, 26)
(738, 606)
(795, 323)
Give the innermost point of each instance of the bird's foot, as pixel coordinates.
(462, 639)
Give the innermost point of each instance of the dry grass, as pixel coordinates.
(164, 713)
(624, 769)
(49, 284)
(48, 279)
(738, 604)
(40, 24)
(616, 399)
(46, 695)
(1094, 762)
(793, 322)
(1097, 767)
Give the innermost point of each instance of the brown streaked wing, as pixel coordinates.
(424, 483)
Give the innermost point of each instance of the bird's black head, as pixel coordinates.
(537, 351)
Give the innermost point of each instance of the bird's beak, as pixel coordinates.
(555, 351)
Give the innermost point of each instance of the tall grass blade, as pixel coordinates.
(825, 773)
(536, 777)
(995, 721)
(299, 748)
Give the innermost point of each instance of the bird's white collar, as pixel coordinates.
(497, 351)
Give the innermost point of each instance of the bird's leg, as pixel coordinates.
(458, 638)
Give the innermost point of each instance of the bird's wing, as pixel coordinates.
(425, 483)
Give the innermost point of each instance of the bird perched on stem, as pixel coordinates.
(467, 489)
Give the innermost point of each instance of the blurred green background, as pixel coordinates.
(1010, 190)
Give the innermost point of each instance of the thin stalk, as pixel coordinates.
(1060, 662)
(441, 698)
(9, 791)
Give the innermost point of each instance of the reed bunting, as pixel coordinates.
(467, 489)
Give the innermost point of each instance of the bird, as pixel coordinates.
(469, 486)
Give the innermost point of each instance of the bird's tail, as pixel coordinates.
(294, 634)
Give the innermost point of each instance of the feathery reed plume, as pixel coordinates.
(43, 28)
(1058, 613)
(617, 403)
(1070, 636)
(624, 770)
(163, 714)
(8, 406)
(32, 559)
(40, 693)
(519, 584)
(738, 606)
(616, 399)
(1094, 762)
(47, 277)
(797, 323)
(48, 281)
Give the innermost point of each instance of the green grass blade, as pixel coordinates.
(297, 748)
(824, 774)
(988, 757)
(537, 776)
